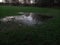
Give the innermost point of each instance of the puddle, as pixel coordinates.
(25, 18)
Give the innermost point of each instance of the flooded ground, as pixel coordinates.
(26, 18)
(22, 19)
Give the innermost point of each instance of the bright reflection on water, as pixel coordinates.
(25, 18)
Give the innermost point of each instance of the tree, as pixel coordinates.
(6, 1)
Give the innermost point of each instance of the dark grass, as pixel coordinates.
(45, 34)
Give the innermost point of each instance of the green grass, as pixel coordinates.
(46, 34)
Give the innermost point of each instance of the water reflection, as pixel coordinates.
(26, 18)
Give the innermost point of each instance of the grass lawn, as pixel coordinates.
(46, 34)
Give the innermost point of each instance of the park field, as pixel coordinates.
(45, 34)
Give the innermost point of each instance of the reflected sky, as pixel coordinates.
(26, 18)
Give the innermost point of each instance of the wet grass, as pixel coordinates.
(45, 34)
